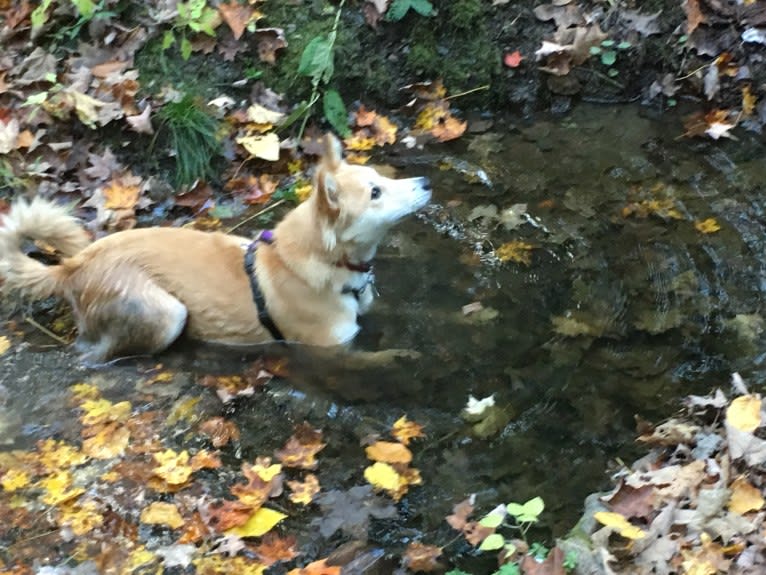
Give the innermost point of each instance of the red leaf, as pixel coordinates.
(513, 59)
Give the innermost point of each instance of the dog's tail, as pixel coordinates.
(37, 220)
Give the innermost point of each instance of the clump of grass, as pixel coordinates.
(193, 136)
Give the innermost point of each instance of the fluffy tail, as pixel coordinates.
(37, 220)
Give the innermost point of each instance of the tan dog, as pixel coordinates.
(136, 291)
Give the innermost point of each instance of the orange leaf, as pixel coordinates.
(388, 452)
(404, 430)
(237, 16)
(420, 557)
(316, 568)
(304, 492)
(274, 548)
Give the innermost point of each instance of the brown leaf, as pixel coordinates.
(301, 449)
(222, 515)
(237, 16)
(274, 548)
(388, 452)
(421, 557)
(460, 513)
(221, 431)
(633, 502)
(694, 15)
(269, 41)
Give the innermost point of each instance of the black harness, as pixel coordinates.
(267, 237)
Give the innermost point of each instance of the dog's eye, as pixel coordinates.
(375, 192)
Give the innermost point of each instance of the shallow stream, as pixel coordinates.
(624, 307)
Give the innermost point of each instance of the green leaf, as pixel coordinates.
(422, 7)
(85, 8)
(39, 15)
(492, 542)
(607, 43)
(456, 572)
(594, 50)
(624, 45)
(186, 48)
(608, 57)
(35, 99)
(398, 9)
(508, 569)
(317, 59)
(529, 512)
(492, 520)
(335, 112)
(168, 39)
(612, 72)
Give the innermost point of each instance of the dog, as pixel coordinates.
(136, 291)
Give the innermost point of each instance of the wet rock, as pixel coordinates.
(359, 558)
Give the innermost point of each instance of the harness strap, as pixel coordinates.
(260, 302)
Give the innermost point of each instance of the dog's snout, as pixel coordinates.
(425, 183)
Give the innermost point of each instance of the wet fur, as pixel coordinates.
(136, 291)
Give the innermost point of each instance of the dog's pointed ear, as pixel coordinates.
(332, 151)
(327, 193)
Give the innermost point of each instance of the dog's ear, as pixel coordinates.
(332, 152)
(327, 193)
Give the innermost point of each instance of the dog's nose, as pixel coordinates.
(425, 183)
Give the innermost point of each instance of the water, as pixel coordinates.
(624, 308)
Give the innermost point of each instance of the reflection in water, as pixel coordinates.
(625, 307)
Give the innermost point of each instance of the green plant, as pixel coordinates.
(193, 137)
(608, 53)
(86, 10)
(399, 8)
(318, 63)
(194, 15)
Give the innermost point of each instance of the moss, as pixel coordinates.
(465, 14)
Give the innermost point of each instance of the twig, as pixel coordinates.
(46, 331)
(692, 73)
(471, 91)
(263, 211)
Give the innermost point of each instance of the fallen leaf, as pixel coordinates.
(161, 513)
(388, 452)
(301, 448)
(237, 16)
(221, 431)
(316, 568)
(619, 524)
(5, 344)
(744, 413)
(273, 548)
(405, 430)
(744, 497)
(259, 523)
(303, 492)
(516, 251)
(261, 146)
(421, 557)
(694, 16)
(708, 226)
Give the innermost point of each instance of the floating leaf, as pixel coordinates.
(260, 523)
(492, 543)
(708, 226)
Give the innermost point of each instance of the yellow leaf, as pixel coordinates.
(359, 142)
(81, 518)
(109, 441)
(619, 524)
(183, 410)
(304, 492)
(57, 455)
(382, 476)
(161, 513)
(744, 413)
(174, 467)
(83, 391)
(139, 557)
(266, 146)
(260, 522)
(707, 226)
(515, 251)
(102, 411)
(303, 191)
(14, 479)
(221, 564)
(58, 488)
(5, 344)
(744, 497)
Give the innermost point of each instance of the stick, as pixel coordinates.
(46, 331)
(263, 211)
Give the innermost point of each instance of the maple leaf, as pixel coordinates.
(273, 548)
(222, 515)
(162, 513)
(82, 517)
(221, 431)
(264, 481)
(301, 448)
(105, 441)
(421, 557)
(405, 430)
(58, 488)
(56, 455)
(14, 479)
(350, 511)
(388, 452)
(303, 492)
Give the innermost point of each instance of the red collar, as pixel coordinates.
(361, 267)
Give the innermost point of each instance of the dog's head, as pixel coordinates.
(359, 203)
